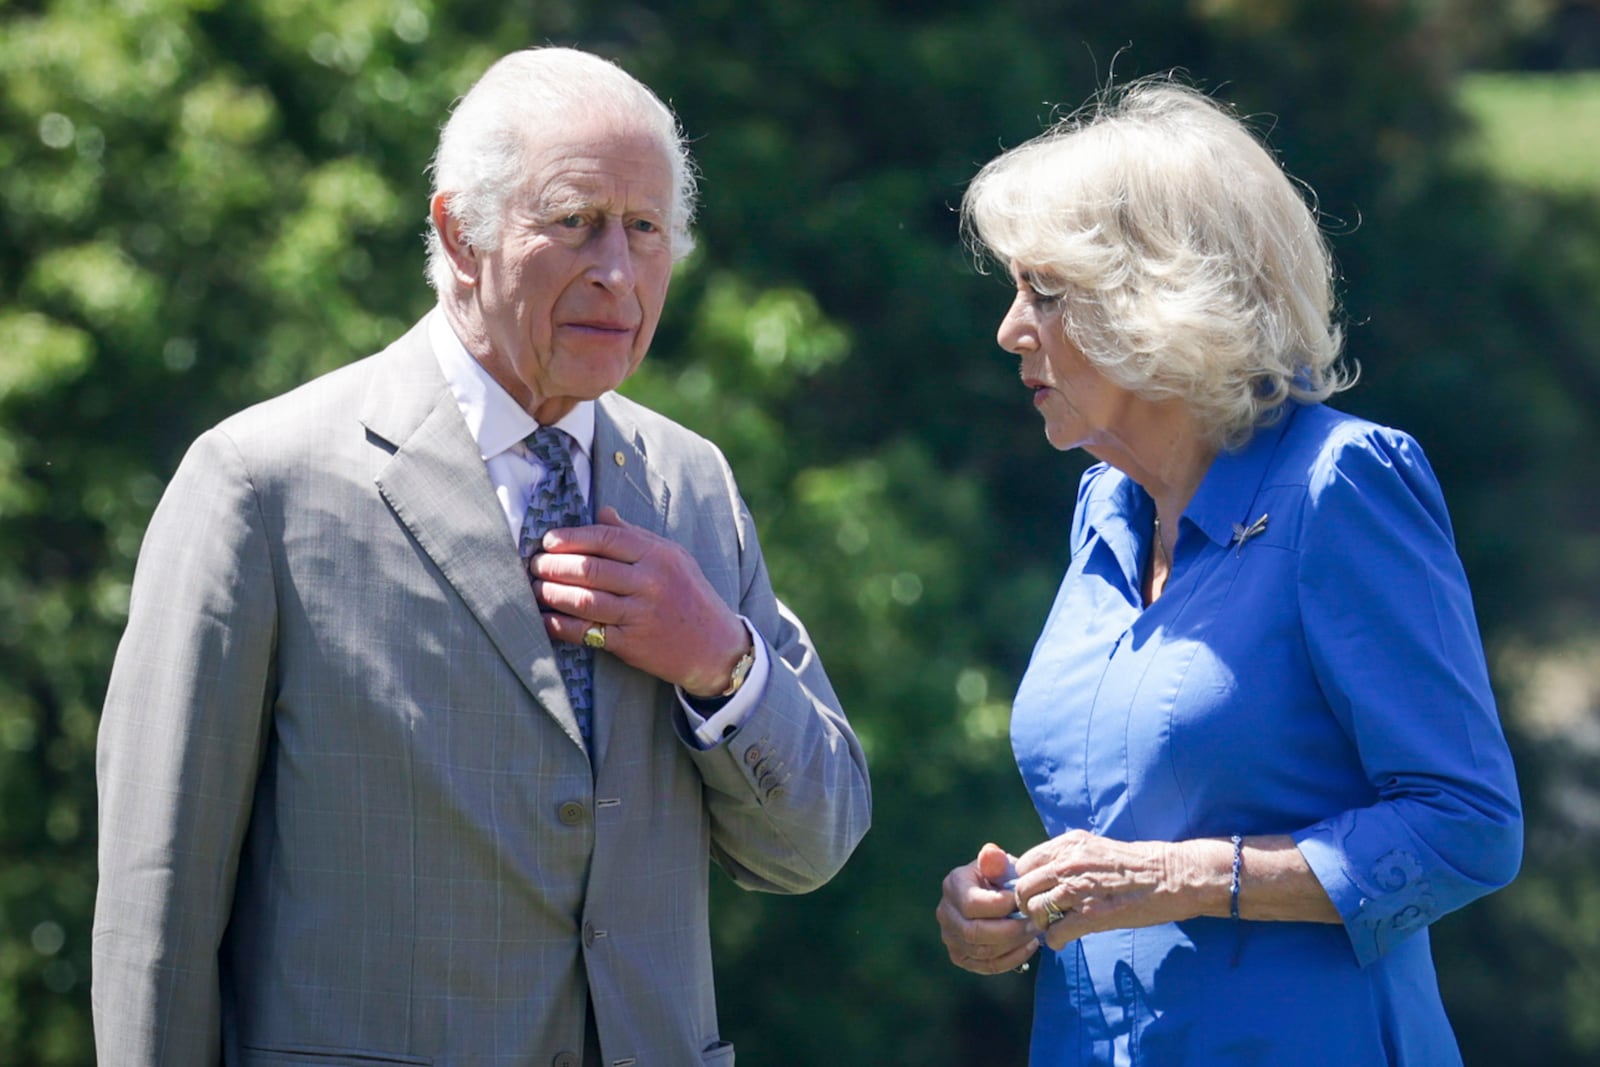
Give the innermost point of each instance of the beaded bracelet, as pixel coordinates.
(1233, 884)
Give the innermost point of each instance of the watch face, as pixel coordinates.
(740, 669)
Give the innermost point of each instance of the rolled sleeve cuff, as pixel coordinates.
(1380, 908)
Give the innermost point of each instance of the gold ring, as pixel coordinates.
(1054, 913)
(595, 635)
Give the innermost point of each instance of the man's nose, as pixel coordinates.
(613, 266)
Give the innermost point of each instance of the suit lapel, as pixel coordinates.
(436, 484)
(622, 479)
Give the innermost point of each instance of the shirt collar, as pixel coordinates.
(1229, 489)
(495, 421)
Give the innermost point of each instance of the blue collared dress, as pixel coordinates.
(1325, 679)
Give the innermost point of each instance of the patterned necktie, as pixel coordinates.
(556, 501)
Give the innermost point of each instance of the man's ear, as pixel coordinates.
(463, 257)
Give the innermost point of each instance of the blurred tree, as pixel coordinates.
(1566, 36)
(204, 203)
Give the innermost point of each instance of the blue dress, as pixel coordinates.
(1322, 678)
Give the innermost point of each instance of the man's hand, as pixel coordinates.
(659, 612)
(974, 916)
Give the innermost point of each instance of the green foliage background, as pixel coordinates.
(203, 203)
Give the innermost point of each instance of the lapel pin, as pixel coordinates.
(1242, 533)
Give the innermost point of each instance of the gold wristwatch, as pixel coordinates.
(740, 669)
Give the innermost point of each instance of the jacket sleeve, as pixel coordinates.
(1392, 637)
(788, 792)
(180, 741)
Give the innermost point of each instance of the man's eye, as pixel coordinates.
(571, 222)
(645, 226)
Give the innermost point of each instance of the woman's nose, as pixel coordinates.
(1017, 333)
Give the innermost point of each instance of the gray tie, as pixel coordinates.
(557, 501)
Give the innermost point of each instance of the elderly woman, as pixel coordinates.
(1258, 725)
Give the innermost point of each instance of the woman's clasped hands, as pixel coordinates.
(998, 909)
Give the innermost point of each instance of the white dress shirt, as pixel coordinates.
(499, 425)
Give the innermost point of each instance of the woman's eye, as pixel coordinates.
(1037, 296)
(1029, 283)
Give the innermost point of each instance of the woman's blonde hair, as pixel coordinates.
(1187, 263)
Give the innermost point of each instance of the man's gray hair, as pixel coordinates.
(483, 149)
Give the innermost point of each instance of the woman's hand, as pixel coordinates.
(1080, 883)
(975, 916)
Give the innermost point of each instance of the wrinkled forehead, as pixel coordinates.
(600, 163)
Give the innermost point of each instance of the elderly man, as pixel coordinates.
(447, 674)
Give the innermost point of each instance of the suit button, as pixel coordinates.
(565, 1059)
(752, 755)
(571, 813)
(767, 783)
(775, 792)
(588, 935)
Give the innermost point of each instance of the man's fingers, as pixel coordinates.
(579, 569)
(609, 536)
(582, 603)
(571, 630)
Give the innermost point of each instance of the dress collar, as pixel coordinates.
(1228, 492)
(1224, 498)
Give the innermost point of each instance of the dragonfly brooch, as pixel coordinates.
(1243, 533)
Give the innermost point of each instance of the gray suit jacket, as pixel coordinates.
(346, 816)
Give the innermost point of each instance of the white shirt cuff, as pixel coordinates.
(709, 732)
